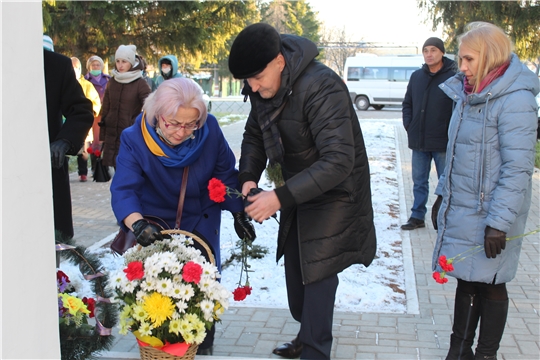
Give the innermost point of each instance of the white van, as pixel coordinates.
(379, 80)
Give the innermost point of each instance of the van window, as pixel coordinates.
(402, 74)
(376, 73)
(353, 74)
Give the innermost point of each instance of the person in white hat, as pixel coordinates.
(123, 100)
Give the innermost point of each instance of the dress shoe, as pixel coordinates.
(290, 350)
(207, 351)
(413, 223)
(83, 178)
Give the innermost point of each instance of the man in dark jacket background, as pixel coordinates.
(64, 96)
(426, 115)
(302, 118)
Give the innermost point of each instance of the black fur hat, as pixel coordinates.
(253, 49)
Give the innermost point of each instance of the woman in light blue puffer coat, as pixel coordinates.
(485, 191)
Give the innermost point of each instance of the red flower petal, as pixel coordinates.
(134, 270)
(191, 272)
(239, 293)
(217, 190)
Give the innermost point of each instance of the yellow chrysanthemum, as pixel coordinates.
(158, 307)
(74, 304)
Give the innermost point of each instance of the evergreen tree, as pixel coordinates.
(520, 19)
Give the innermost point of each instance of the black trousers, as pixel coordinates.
(312, 305)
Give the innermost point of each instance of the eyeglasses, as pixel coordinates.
(175, 126)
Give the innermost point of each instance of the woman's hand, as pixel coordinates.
(147, 233)
(494, 242)
(243, 227)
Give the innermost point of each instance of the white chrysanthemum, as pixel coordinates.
(177, 279)
(207, 307)
(139, 313)
(152, 270)
(187, 291)
(181, 306)
(176, 291)
(164, 286)
(129, 286)
(205, 284)
(174, 326)
(148, 284)
(140, 295)
(174, 268)
(117, 279)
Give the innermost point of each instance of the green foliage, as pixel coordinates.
(195, 31)
(252, 252)
(537, 155)
(82, 342)
(291, 17)
(274, 174)
(519, 19)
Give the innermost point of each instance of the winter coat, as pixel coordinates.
(99, 82)
(122, 103)
(427, 109)
(173, 74)
(489, 166)
(325, 167)
(64, 96)
(143, 184)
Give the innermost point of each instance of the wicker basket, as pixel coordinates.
(195, 238)
(150, 353)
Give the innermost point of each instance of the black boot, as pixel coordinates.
(466, 314)
(492, 322)
(290, 350)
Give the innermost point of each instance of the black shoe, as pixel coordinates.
(413, 223)
(290, 350)
(207, 351)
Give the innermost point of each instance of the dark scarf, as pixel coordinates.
(268, 116)
(490, 77)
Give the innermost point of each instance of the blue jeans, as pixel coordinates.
(421, 166)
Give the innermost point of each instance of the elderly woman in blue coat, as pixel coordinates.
(174, 132)
(485, 191)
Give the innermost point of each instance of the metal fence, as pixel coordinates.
(224, 106)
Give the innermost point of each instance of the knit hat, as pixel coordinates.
(434, 41)
(253, 49)
(92, 59)
(48, 43)
(126, 52)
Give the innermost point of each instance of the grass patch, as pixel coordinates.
(537, 156)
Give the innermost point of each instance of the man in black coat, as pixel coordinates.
(303, 119)
(64, 96)
(426, 116)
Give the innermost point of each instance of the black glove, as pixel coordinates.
(494, 242)
(243, 227)
(435, 211)
(59, 148)
(146, 233)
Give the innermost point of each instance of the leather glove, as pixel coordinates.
(59, 148)
(494, 242)
(435, 211)
(243, 227)
(146, 233)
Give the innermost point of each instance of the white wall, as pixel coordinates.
(29, 312)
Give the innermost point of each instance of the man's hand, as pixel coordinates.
(263, 205)
(247, 186)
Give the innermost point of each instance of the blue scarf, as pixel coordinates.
(181, 155)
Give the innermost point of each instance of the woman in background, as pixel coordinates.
(485, 191)
(123, 100)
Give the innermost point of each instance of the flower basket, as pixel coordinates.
(169, 296)
(151, 353)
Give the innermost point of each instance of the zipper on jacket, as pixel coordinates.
(482, 158)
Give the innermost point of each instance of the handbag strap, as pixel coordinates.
(182, 198)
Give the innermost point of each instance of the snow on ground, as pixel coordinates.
(378, 288)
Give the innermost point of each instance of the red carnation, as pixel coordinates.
(192, 272)
(240, 293)
(97, 153)
(90, 305)
(441, 279)
(445, 264)
(134, 270)
(90, 150)
(217, 190)
(61, 275)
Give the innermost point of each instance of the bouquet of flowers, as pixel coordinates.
(169, 295)
(85, 322)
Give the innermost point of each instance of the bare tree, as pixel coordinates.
(336, 47)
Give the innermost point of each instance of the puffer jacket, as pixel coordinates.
(122, 104)
(325, 167)
(173, 74)
(487, 179)
(427, 109)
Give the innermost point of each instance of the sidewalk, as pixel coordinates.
(423, 333)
